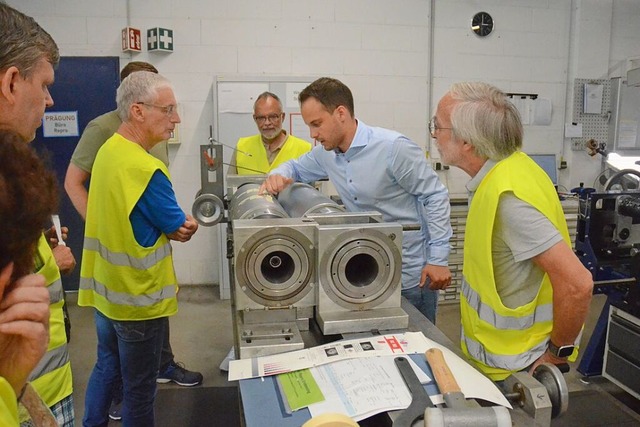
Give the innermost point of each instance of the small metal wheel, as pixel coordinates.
(552, 379)
(208, 209)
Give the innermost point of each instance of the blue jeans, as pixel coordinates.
(424, 299)
(166, 360)
(131, 349)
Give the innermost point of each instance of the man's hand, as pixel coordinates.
(65, 260)
(275, 184)
(52, 236)
(186, 230)
(547, 358)
(24, 325)
(439, 276)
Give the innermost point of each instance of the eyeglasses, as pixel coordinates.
(166, 109)
(273, 118)
(433, 127)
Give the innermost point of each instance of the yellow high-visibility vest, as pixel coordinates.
(52, 378)
(118, 276)
(502, 340)
(258, 161)
(8, 405)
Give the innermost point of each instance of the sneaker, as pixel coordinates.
(115, 411)
(177, 373)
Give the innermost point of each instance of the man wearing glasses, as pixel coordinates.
(127, 271)
(97, 132)
(525, 294)
(375, 169)
(259, 154)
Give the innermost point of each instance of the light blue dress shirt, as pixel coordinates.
(385, 171)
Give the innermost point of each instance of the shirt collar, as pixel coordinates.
(273, 147)
(473, 184)
(359, 138)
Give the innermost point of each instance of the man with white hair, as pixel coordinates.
(127, 271)
(525, 294)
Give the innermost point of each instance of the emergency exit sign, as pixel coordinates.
(159, 40)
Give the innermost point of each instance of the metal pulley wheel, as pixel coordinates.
(208, 209)
(553, 380)
(616, 180)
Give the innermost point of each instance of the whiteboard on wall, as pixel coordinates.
(233, 99)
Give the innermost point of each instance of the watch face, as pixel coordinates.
(482, 24)
(565, 351)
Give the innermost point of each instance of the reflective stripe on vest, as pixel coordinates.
(123, 298)
(542, 313)
(51, 360)
(56, 293)
(502, 339)
(122, 259)
(512, 362)
(52, 377)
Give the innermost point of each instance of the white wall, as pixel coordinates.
(528, 52)
(380, 48)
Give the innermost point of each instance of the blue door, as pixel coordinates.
(86, 85)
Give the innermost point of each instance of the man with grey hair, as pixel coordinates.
(127, 271)
(95, 134)
(525, 294)
(273, 146)
(28, 55)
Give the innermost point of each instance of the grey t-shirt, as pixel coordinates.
(520, 233)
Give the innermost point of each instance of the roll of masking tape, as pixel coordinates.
(331, 420)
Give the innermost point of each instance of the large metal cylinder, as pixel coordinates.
(246, 203)
(300, 200)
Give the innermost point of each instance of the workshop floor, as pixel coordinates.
(201, 338)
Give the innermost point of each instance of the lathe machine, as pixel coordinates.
(298, 257)
(608, 244)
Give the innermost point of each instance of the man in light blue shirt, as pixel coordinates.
(381, 170)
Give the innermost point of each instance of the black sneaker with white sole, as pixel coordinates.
(177, 373)
(115, 411)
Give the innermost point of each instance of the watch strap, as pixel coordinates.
(562, 351)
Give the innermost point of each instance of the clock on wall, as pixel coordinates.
(482, 24)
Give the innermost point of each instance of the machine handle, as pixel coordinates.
(444, 377)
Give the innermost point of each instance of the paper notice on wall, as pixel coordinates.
(593, 93)
(573, 130)
(541, 112)
(60, 124)
(627, 134)
(239, 97)
(293, 90)
(523, 105)
(298, 128)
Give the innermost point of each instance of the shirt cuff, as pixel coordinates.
(438, 255)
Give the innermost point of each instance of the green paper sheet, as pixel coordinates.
(299, 389)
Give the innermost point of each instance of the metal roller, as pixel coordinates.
(248, 204)
(275, 260)
(208, 209)
(301, 200)
(361, 267)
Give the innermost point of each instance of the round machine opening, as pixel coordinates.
(277, 267)
(361, 270)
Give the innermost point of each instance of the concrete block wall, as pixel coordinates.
(380, 48)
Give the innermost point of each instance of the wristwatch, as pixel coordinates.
(563, 351)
